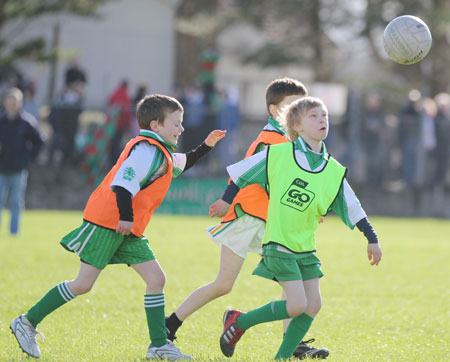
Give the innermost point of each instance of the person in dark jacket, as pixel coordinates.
(20, 142)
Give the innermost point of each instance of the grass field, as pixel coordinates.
(399, 311)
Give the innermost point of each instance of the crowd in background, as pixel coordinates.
(416, 138)
(405, 149)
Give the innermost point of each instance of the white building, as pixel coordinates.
(132, 39)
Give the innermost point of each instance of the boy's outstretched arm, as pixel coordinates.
(214, 137)
(184, 161)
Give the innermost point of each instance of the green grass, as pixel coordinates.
(396, 312)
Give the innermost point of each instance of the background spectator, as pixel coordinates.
(428, 143)
(410, 136)
(195, 117)
(141, 92)
(29, 102)
(228, 118)
(64, 118)
(74, 74)
(442, 127)
(120, 101)
(20, 142)
(372, 138)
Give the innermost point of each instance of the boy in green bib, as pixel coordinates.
(304, 183)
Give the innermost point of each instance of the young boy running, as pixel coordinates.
(305, 183)
(115, 218)
(242, 226)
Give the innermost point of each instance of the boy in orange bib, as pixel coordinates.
(114, 220)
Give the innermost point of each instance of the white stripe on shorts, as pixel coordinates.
(87, 239)
(76, 238)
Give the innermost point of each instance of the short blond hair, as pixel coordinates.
(296, 111)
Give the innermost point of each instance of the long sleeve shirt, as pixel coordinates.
(20, 142)
(148, 163)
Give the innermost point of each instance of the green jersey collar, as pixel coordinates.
(147, 133)
(301, 145)
(278, 127)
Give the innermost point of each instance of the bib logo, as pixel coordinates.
(297, 196)
(128, 174)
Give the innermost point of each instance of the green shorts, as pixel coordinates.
(281, 268)
(99, 247)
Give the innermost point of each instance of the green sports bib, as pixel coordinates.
(298, 198)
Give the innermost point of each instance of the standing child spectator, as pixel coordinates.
(115, 218)
(20, 142)
(243, 224)
(305, 183)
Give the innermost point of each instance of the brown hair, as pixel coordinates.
(155, 108)
(295, 113)
(278, 89)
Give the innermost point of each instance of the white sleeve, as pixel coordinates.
(135, 168)
(179, 163)
(355, 210)
(249, 170)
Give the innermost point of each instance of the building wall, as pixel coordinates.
(132, 39)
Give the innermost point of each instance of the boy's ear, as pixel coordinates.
(297, 126)
(273, 110)
(154, 125)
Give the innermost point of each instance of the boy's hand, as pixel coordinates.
(214, 137)
(219, 208)
(374, 253)
(321, 220)
(124, 227)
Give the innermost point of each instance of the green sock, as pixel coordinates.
(272, 311)
(55, 298)
(154, 309)
(297, 329)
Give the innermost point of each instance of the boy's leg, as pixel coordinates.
(236, 322)
(24, 326)
(63, 293)
(154, 303)
(312, 291)
(299, 325)
(304, 348)
(230, 266)
(294, 304)
(236, 238)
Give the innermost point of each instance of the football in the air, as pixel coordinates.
(407, 39)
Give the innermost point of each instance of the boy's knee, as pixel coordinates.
(296, 309)
(223, 288)
(80, 288)
(159, 281)
(313, 307)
